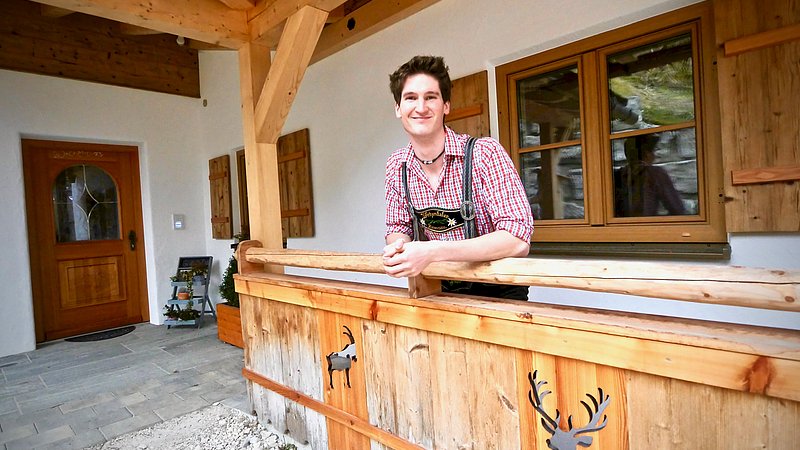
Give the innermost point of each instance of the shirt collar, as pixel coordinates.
(453, 145)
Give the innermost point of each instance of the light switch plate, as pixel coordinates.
(178, 221)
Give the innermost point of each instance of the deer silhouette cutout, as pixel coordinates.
(342, 360)
(569, 439)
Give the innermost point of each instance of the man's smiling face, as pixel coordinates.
(421, 108)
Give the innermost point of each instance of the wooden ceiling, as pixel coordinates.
(136, 44)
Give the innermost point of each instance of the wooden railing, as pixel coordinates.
(774, 289)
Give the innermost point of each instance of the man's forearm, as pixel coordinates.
(495, 245)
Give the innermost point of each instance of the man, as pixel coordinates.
(490, 220)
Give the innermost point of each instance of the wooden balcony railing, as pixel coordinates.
(774, 289)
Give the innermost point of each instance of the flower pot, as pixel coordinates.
(183, 296)
(229, 325)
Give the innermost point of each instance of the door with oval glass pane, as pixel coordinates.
(85, 227)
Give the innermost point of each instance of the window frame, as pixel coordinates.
(599, 223)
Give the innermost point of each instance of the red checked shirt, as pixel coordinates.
(498, 194)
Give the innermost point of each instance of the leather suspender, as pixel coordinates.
(467, 206)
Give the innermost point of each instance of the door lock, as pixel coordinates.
(132, 240)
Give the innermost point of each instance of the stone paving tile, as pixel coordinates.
(54, 421)
(17, 387)
(19, 432)
(198, 389)
(79, 441)
(221, 394)
(86, 355)
(180, 408)
(137, 422)
(152, 404)
(85, 402)
(8, 421)
(107, 417)
(8, 405)
(130, 399)
(41, 439)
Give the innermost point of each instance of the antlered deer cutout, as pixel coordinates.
(569, 439)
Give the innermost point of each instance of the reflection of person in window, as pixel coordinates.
(640, 187)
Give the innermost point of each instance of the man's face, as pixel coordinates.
(421, 108)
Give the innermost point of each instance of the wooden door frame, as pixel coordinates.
(34, 250)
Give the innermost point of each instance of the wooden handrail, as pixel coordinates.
(726, 285)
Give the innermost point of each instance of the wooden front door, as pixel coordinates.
(83, 205)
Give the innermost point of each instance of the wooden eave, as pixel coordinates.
(233, 23)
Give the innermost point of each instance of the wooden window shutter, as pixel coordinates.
(220, 179)
(759, 114)
(294, 171)
(244, 208)
(469, 105)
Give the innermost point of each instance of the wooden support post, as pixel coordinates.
(263, 193)
(420, 286)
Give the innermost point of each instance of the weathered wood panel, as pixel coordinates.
(219, 177)
(469, 105)
(452, 372)
(88, 48)
(294, 170)
(759, 113)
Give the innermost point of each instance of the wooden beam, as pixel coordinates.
(263, 198)
(775, 289)
(364, 22)
(761, 40)
(239, 4)
(204, 20)
(135, 30)
(54, 12)
(765, 175)
(268, 18)
(332, 413)
(294, 51)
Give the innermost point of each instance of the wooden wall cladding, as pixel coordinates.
(83, 47)
(452, 373)
(219, 176)
(759, 113)
(469, 105)
(294, 171)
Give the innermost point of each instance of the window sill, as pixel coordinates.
(673, 251)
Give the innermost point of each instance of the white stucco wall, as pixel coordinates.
(345, 102)
(174, 176)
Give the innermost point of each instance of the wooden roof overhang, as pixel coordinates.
(298, 31)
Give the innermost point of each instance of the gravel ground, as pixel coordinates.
(217, 427)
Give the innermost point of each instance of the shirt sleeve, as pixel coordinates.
(398, 220)
(507, 202)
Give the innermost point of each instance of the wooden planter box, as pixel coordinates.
(229, 325)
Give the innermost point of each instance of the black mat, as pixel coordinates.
(102, 335)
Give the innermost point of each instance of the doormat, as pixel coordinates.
(102, 335)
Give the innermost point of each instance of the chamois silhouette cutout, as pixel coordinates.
(342, 360)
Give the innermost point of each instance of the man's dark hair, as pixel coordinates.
(429, 65)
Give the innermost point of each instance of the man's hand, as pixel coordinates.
(406, 259)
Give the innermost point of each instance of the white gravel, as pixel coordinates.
(217, 427)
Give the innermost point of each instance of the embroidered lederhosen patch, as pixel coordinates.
(439, 220)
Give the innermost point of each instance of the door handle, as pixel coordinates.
(132, 240)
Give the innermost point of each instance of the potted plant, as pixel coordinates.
(229, 319)
(183, 281)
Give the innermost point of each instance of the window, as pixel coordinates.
(616, 137)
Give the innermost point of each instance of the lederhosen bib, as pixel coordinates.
(440, 220)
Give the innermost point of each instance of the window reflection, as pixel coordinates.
(549, 108)
(85, 205)
(553, 182)
(655, 174)
(651, 85)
